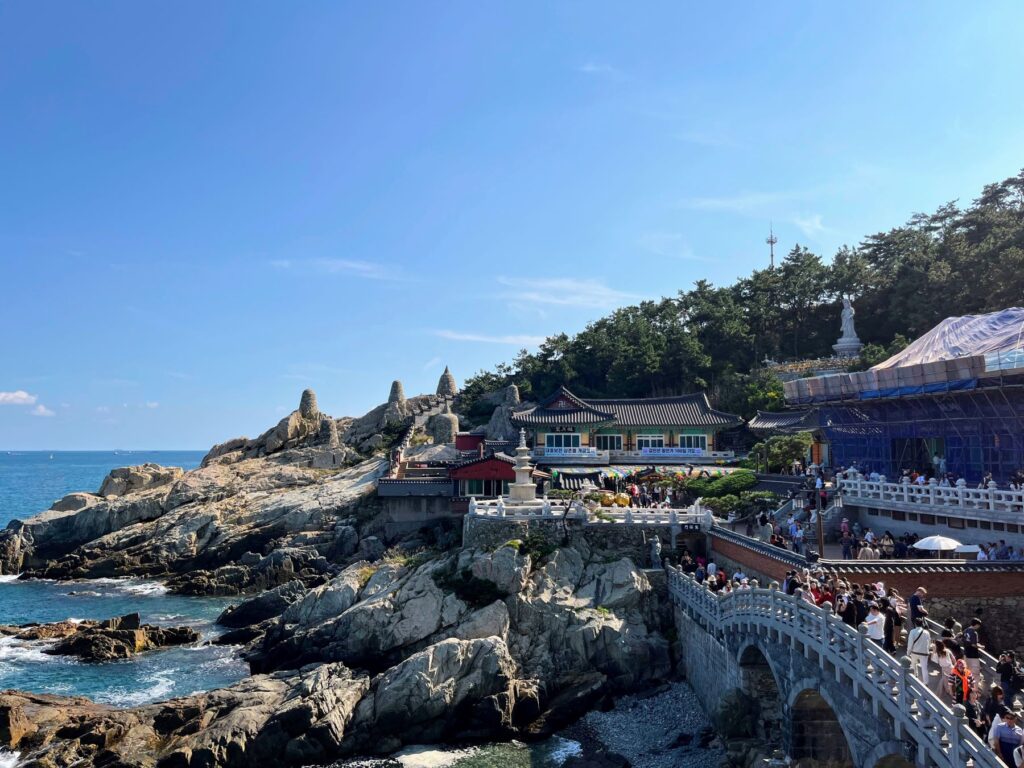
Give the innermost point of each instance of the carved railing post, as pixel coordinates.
(960, 727)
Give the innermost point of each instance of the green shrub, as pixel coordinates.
(537, 546)
(365, 574)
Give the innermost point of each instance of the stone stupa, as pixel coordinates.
(523, 490)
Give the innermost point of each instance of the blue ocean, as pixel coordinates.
(30, 481)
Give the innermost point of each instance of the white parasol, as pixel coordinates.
(937, 544)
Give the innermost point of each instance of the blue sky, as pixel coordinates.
(206, 207)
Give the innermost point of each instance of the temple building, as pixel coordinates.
(950, 403)
(666, 430)
(773, 423)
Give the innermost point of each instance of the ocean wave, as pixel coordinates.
(9, 759)
(22, 651)
(146, 588)
(162, 684)
(4, 579)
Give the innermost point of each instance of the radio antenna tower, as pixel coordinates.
(771, 240)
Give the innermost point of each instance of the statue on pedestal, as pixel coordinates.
(656, 552)
(848, 345)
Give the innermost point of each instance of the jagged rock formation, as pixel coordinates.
(130, 479)
(202, 525)
(469, 645)
(355, 647)
(396, 411)
(500, 426)
(118, 638)
(446, 386)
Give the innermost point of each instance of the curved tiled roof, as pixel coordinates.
(785, 421)
(564, 407)
(683, 410)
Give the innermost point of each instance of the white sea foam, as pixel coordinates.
(430, 757)
(9, 759)
(146, 588)
(4, 579)
(15, 651)
(563, 749)
(162, 686)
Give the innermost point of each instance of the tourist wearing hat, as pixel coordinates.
(916, 602)
(1007, 735)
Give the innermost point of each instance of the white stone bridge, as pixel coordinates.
(823, 690)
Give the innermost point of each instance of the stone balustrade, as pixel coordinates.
(693, 518)
(847, 661)
(992, 504)
(590, 456)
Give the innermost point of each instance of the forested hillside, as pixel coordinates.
(954, 261)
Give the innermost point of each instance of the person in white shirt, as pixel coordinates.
(919, 642)
(869, 536)
(712, 568)
(876, 624)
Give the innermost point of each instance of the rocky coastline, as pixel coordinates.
(118, 638)
(358, 644)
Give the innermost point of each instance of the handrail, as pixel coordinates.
(912, 564)
(499, 509)
(990, 503)
(941, 733)
(988, 661)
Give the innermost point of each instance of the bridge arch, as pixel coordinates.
(888, 754)
(815, 729)
(759, 682)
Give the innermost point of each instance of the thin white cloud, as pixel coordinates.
(565, 292)
(669, 244)
(599, 69)
(368, 270)
(152, 404)
(17, 397)
(42, 410)
(102, 409)
(433, 362)
(519, 340)
(180, 376)
(812, 225)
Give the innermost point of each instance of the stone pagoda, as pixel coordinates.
(523, 490)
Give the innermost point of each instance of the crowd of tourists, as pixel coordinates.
(946, 657)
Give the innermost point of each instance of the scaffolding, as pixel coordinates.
(974, 432)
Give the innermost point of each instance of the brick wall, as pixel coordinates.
(997, 598)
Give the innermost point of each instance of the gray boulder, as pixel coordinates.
(125, 480)
(263, 606)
